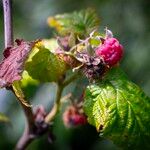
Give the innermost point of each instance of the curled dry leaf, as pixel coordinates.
(12, 64)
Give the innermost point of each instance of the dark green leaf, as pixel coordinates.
(119, 110)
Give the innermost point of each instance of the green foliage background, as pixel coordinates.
(128, 19)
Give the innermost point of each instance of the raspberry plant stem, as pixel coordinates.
(8, 40)
(60, 87)
(8, 28)
(8, 34)
(56, 106)
(71, 79)
(30, 129)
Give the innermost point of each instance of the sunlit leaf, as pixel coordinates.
(81, 23)
(50, 44)
(26, 80)
(45, 66)
(119, 110)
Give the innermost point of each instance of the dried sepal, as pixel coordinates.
(93, 67)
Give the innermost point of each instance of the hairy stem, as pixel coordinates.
(8, 33)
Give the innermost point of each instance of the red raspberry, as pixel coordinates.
(78, 119)
(111, 51)
(72, 117)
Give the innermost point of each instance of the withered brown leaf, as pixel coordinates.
(12, 64)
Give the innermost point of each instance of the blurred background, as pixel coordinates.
(130, 22)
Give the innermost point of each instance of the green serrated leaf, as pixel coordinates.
(4, 118)
(45, 66)
(81, 23)
(119, 110)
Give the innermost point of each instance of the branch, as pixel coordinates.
(8, 33)
(29, 135)
(35, 126)
(25, 139)
(30, 129)
(60, 87)
(29, 116)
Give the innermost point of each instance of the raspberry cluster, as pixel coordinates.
(95, 61)
(107, 55)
